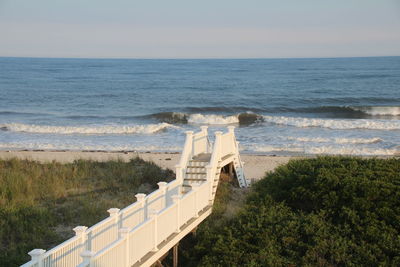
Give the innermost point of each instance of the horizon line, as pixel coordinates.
(193, 58)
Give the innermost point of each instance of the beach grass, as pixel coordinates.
(40, 203)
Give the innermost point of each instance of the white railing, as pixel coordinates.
(194, 145)
(134, 243)
(127, 235)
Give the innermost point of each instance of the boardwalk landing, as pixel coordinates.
(143, 232)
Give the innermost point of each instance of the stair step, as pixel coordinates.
(195, 179)
(198, 160)
(195, 167)
(196, 173)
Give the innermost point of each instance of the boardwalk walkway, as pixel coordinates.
(144, 231)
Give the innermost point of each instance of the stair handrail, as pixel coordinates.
(236, 148)
(214, 160)
(185, 156)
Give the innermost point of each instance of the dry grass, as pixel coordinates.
(41, 202)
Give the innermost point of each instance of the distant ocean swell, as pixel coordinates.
(350, 111)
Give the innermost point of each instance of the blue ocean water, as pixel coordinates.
(280, 106)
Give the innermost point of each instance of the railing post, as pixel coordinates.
(80, 232)
(231, 130)
(141, 198)
(195, 188)
(114, 213)
(124, 234)
(153, 214)
(204, 131)
(211, 181)
(87, 257)
(37, 256)
(163, 187)
(177, 200)
(218, 143)
(179, 173)
(189, 139)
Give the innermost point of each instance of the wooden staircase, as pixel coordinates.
(141, 233)
(196, 172)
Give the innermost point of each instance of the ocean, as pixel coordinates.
(348, 106)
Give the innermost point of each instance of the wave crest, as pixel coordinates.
(136, 129)
(212, 119)
(379, 111)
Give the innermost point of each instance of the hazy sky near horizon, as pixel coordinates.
(199, 29)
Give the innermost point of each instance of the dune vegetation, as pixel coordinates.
(328, 211)
(40, 203)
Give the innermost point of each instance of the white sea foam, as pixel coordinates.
(374, 111)
(135, 129)
(327, 150)
(337, 140)
(271, 148)
(350, 150)
(212, 119)
(335, 124)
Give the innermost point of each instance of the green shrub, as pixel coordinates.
(328, 211)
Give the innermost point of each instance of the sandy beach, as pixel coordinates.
(255, 165)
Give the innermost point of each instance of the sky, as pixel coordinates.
(199, 29)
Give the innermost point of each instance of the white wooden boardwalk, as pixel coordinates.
(144, 231)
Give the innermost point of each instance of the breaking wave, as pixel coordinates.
(334, 124)
(136, 129)
(210, 119)
(379, 111)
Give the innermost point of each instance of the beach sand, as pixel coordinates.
(255, 166)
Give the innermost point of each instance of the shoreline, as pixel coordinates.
(255, 165)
